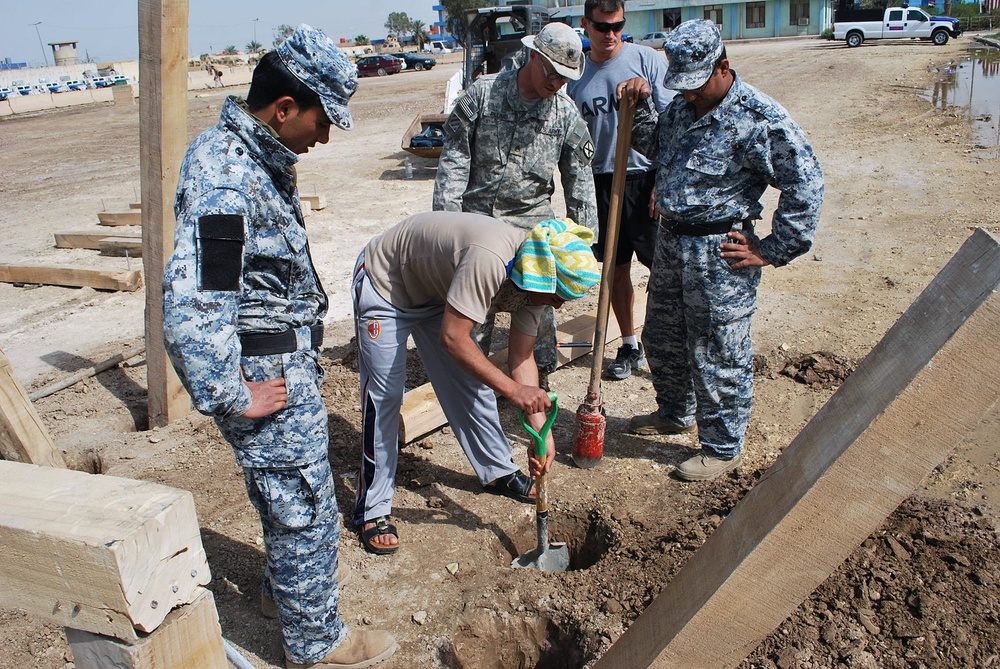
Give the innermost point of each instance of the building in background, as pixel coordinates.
(736, 19)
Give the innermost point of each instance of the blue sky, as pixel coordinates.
(107, 30)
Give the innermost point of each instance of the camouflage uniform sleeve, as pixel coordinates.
(456, 156)
(644, 129)
(577, 177)
(791, 167)
(202, 287)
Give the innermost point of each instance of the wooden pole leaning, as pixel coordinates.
(924, 387)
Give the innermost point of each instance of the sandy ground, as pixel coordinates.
(905, 186)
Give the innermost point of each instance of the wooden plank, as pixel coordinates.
(135, 205)
(23, 437)
(317, 202)
(73, 277)
(99, 553)
(190, 636)
(163, 52)
(421, 413)
(111, 218)
(915, 396)
(120, 247)
(87, 240)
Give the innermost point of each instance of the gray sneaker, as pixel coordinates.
(626, 360)
(653, 424)
(705, 467)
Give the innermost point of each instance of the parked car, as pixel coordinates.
(100, 82)
(439, 47)
(378, 66)
(118, 80)
(413, 61)
(654, 40)
(5, 93)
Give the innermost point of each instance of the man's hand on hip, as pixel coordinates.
(268, 397)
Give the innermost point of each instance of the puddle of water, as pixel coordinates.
(973, 86)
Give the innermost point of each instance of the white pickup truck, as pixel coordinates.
(857, 25)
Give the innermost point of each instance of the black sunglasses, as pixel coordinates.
(604, 26)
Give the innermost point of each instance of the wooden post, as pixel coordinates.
(189, 637)
(103, 554)
(23, 437)
(163, 53)
(924, 387)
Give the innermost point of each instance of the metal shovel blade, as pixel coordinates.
(545, 557)
(553, 559)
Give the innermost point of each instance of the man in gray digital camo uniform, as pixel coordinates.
(718, 147)
(503, 141)
(243, 322)
(612, 60)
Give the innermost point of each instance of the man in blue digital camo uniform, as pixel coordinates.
(719, 146)
(243, 323)
(503, 141)
(435, 276)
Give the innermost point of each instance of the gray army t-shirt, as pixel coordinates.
(461, 259)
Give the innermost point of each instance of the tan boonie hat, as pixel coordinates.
(561, 46)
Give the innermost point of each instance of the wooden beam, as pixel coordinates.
(922, 389)
(135, 205)
(88, 240)
(110, 218)
(189, 637)
(317, 202)
(163, 113)
(99, 553)
(23, 437)
(421, 413)
(73, 277)
(119, 247)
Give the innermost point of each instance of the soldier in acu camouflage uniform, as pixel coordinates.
(719, 145)
(504, 140)
(243, 323)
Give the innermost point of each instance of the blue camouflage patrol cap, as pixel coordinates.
(692, 49)
(317, 62)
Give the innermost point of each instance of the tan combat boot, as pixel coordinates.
(361, 648)
(653, 424)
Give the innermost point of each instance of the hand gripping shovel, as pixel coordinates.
(546, 557)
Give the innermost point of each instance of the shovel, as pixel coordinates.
(546, 557)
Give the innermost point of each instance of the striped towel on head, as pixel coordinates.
(556, 258)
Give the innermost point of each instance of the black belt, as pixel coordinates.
(629, 176)
(696, 229)
(275, 343)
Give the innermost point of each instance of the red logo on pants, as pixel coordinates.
(374, 329)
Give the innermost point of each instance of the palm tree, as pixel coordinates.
(362, 40)
(420, 34)
(281, 33)
(231, 50)
(254, 46)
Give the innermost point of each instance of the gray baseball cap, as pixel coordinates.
(317, 62)
(561, 46)
(692, 49)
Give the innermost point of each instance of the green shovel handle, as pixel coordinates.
(541, 436)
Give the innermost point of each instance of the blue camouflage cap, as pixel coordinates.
(317, 62)
(692, 49)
